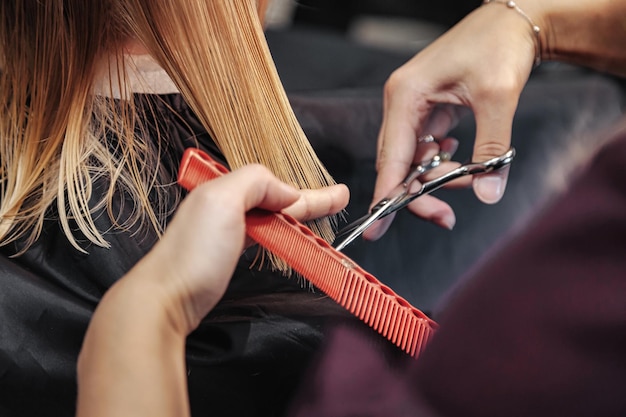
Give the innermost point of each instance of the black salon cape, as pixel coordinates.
(244, 360)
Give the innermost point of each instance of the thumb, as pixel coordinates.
(493, 139)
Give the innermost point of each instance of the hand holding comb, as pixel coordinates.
(329, 270)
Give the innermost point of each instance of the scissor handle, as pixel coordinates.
(424, 167)
(472, 168)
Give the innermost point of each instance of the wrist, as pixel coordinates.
(582, 32)
(186, 291)
(156, 283)
(129, 333)
(535, 29)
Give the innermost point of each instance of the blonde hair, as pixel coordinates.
(52, 127)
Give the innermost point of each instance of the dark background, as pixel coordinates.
(337, 14)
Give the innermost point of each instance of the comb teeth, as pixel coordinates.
(342, 280)
(329, 270)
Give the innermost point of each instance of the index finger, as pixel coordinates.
(397, 141)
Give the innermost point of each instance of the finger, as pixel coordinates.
(314, 204)
(255, 187)
(444, 168)
(220, 211)
(493, 138)
(427, 151)
(397, 142)
(258, 187)
(229, 197)
(426, 207)
(443, 118)
(379, 228)
(489, 188)
(433, 210)
(449, 146)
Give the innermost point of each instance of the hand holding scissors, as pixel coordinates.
(410, 189)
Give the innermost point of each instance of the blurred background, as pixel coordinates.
(334, 57)
(401, 25)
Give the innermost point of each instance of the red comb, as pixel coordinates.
(329, 270)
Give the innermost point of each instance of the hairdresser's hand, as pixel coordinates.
(199, 250)
(313, 204)
(482, 64)
(137, 334)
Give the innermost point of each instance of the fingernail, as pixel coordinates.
(448, 221)
(489, 188)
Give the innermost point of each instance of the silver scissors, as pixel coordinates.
(402, 195)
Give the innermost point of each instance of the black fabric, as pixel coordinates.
(246, 358)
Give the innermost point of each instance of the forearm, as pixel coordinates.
(132, 361)
(585, 32)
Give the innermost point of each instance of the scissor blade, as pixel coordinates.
(364, 223)
(351, 226)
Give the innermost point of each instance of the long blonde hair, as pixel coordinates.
(52, 124)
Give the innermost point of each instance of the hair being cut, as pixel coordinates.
(52, 124)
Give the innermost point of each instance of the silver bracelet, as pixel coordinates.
(536, 29)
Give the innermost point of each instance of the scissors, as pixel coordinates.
(402, 195)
